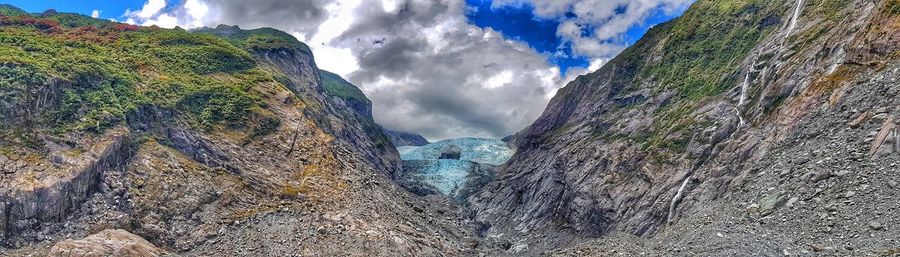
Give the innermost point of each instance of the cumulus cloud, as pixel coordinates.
(595, 28)
(95, 13)
(425, 68)
(152, 7)
(428, 71)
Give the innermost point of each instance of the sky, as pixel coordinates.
(440, 68)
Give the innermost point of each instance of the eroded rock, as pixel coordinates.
(119, 243)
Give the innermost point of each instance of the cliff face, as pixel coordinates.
(687, 116)
(405, 139)
(195, 141)
(338, 106)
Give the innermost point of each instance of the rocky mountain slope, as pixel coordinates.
(215, 142)
(405, 139)
(740, 128)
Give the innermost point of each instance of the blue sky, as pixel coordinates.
(110, 9)
(520, 23)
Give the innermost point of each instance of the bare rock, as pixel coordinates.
(856, 123)
(882, 136)
(451, 152)
(771, 203)
(107, 243)
(875, 225)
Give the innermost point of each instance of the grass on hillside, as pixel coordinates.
(108, 69)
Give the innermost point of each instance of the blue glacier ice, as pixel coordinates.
(425, 173)
(480, 150)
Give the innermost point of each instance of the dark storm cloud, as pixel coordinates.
(377, 20)
(392, 58)
(430, 73)
(300, 16)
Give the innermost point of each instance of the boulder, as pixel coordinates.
(107, 243)
(451, 152)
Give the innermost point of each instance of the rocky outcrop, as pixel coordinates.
(347, 116)
(106, 243)
(338, 118)
(405, 139)
(451, 152)
(39, 192)
(30, 98)
(674, 123)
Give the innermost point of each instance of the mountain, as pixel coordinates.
(217, 141)
(405, 139)
(344, 91)
(741, 128)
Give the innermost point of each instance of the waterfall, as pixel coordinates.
(676, 198)
(794, 18)
(744, 88)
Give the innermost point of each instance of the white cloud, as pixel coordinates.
(151, 8)
(163, 21)
(499, 80)
(328, 57)
(610, 20)
(341, 61)
(197, 11)
(95, 13)
(431, 72)
(390, 5)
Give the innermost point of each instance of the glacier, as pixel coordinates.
(425, 173)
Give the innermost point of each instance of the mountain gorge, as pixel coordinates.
(742, 128)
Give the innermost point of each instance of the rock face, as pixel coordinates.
(224, 143)
(451, 152)
(405, 139)
(687, 118)
(106, 243)
(43, 191)
(807, 196)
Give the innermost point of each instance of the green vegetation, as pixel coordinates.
(892, 7)
(9, 10)
(696, 56)
(256, 39)
(708, 43)
(72, 20)
(104, 70)
(337, 86)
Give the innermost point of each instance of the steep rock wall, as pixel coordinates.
(669, 125)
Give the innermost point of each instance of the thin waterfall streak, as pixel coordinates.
(794, 19)
(676, 198)
(744, 88)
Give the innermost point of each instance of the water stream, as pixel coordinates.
(676, 198)
(744, 88)
(794, 18)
